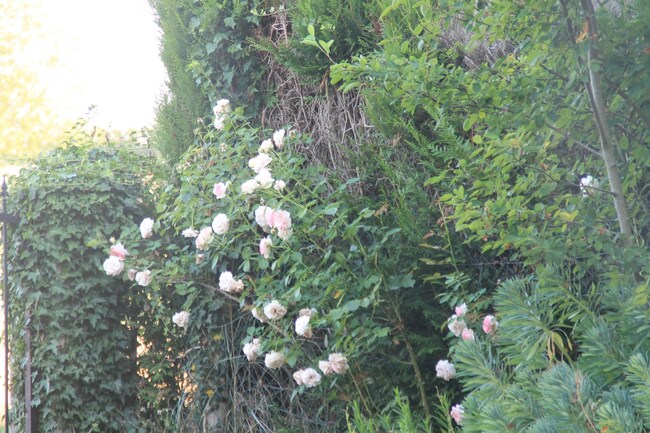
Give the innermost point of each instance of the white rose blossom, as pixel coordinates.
(302, 327)
(259, 316)
(259, 162)
(181, 319)
(261, 214)
(274, 310)
(222, 107)
(456, 326)
(264, 179)
(266, 146)
(252, 349)
(143, 278)
(146, 228)
(325, 367)
(274, 359)
(445, 369)
(220, 224)
(249, 187)
(461, 310)
(227, 283)
(204, 238)
(190, 233)
(113, 266)
(279, 185)
(278, 138)
(308, 377)
(338, 362)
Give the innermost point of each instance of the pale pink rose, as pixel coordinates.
(461, 310)
(281, 221)
(143, 278)
(200, 258)
(467, 335)
(252, 349)
(265, 247)
(118, 250)
(181, 319)
(266, 146)
(220, 224)
(445, 369)
(222, 107)
(219, 122)
(219, 190)
(249, 186)
(113, 266)
(456, 326)
(132, 273)
(279, 185)
(274, 310)
(190, 233)
(278, 138)
(325, 367)
(264, 179)
(261, 214)
(310, 377)
(338, 362)
(274, 359)
(302, 327)
(297, 376)
(146, 228)
(262, 160)
(227, 283)
(259, 316)
(204, 238)
(456, 413)
(490, 324)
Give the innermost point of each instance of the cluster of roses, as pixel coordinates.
(457, 325)
(114, 264)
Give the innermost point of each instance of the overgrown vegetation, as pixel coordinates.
(481, 159)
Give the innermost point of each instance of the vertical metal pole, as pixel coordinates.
(6, 299)
(28, 373)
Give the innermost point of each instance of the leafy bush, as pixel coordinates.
(70, 202)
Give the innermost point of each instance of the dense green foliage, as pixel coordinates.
(506, 168)
(70, 202)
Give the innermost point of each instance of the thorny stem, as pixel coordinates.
(414, 363)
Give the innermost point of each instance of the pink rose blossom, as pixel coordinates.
(118, 250)
(445, 369)
(219, 190)
(456, 413)
(461, 310)
(490, 324)
(265, 247)
(467, 335)
(131, 274)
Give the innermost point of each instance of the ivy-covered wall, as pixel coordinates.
(70, 203)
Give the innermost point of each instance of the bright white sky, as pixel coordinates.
(108, 52)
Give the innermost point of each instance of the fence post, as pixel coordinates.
(6, 218)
